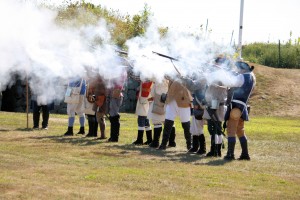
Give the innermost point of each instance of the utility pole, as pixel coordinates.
(241, 30)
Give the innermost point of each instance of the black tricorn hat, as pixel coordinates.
(244, 66)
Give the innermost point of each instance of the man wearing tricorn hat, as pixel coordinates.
(115, 97)
(197, 86)
(237, 111)
(96, 95)
(215, 98)
(178, 103)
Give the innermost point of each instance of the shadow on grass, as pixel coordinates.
(4, 130)
(74, 140)
(24, 129)
(171, 154)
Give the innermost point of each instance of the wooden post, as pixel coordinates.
(27, 99)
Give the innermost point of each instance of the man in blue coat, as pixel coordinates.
(237, 111)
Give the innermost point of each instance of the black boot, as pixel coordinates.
(36, 120)
(91, 123)
(95, 128)
(149, 137)
(166, 134)
(219, 147)
(156, 136)
(45, 118)
(212, 148)
(111, 120)
(172, 137)
(81, 131)
(195, 146)
(187, 134)
(114, 128)
(244, 154)
(139, 140)
(230, 151)
(202, 144)
(69, 132)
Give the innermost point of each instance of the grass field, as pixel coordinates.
(44, 165)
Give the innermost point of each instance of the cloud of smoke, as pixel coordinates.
(195, 54)
(32, 44)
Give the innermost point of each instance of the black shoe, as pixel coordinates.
(69, 132)
(201, 152)
(101, 138)
(244, 157)
(112, 140)
(229, 157)
(172, 144)
(211, 154)
(162, 147)
(138, 142)
(90, 135)
(154, 145)
(81, 131)
(147, 142)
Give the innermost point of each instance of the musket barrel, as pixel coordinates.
(162, 55)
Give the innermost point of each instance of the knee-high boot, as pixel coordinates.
(149, 137)
(45, 116)
(95, 129)
(219, 152)
(230, 150)
(115, 128)
(156, 136)
(91, 123)
(36, 120)
(195, 145)
(202, 144)
(212, 147)
(139, 139)
(187, 134)
(244, 145)
(172, 137)
(166, 134)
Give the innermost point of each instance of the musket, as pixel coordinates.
(163, 55)
(121, 52)
(214, 117)
(169, 57)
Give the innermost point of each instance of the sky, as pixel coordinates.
(33, 45)
(263, 20)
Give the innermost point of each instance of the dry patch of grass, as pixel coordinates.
(277, 91)
(45, 165)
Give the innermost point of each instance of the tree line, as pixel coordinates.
(286, 55)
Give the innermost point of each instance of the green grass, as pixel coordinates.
(45, 165)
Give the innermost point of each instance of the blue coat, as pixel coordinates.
(241, 96)
(76, 83)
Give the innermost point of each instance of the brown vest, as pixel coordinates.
(178, 92)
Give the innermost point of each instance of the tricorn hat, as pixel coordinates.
(244, 66)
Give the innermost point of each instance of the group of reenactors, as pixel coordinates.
(221, 103)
